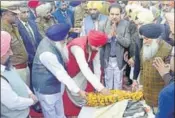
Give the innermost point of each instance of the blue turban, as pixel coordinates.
(152, 31)
(74, 3)
(58, 32)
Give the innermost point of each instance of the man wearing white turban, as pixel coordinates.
(45, 19)
(144, 16)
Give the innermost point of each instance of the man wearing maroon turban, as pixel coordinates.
(83, 56)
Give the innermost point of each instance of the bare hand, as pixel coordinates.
(160, 66)
(105, 91)
(82, 94)
(77, 30)
(131, 62)
(114, 29)
(111, 34)
(33, 97)
(135, 85)
(71, 30)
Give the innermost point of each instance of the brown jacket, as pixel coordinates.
(150, 78)
(19, 52)
(79, 14)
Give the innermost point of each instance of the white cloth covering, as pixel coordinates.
(115, 110)
(112, 111)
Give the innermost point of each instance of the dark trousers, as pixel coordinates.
(30, 67)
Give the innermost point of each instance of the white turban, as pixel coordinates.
(12, 3)
(132, 10)
(43, 9)
(145, 16)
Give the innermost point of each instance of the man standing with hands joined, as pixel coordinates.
(112, 53)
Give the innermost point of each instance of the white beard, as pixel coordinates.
(150, 50)
(63, 50)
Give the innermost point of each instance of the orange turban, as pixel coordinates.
(33, 3)
(97, 38)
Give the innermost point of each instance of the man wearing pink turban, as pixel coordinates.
(16, 96)
(19, 59)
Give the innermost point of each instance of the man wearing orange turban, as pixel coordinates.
(83, 56)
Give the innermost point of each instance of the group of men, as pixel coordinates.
(63, 50)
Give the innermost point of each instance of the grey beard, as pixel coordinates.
(63, 50)
(150, 51)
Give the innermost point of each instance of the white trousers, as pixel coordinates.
(24, 73)
(52, 105)
(113, 75)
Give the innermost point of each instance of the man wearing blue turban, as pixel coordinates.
(49, 74)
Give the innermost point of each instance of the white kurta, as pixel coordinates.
(85, 75)
(93, 78)
(50, 61)
(9, 97)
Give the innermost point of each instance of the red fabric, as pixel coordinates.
(21, 66)
(69, 108)
(111, 1)
(34, 114)
(73, 69)
(33, 3)
(72, 66)
(97, 38)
